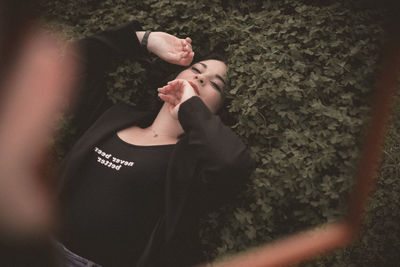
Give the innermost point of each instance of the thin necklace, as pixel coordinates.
(156, 134)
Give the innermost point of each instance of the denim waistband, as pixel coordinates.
(70, 259)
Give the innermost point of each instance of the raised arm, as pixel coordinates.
(226, 162)
(96, 53)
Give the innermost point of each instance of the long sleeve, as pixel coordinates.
(225, 161)
(209, 166)
(95, 55)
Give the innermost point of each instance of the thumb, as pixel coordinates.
(174, 110)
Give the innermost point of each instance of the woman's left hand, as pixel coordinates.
(170, 48)
(175, 93)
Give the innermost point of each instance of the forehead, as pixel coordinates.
(214, 65)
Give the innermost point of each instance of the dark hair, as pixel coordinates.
(222, 112)
(162, 72)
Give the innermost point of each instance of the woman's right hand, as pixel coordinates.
(169, 48)
(175, 93)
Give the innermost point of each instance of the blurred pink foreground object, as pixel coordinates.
(32, 96)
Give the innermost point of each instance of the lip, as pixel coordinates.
(196, 89)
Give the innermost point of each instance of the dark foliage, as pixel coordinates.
(301, 75)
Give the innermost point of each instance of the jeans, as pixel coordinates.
(70, 259)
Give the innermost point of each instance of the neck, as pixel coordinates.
(164, 125)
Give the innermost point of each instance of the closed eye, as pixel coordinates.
(216, 86)
(195, 69)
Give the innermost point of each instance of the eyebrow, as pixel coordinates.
(217, 76)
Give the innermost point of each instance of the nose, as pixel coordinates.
(200, 78)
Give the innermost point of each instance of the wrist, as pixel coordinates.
(139, 35)
(151, 46)
(143, 38)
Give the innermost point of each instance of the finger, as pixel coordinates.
(169, 99)
(186, 46)
(188, 40)
(188, 49)
(178, 87)
(174, 82)
(166, 98)
(188, 59)
(173, 88)
(177, 84)
(184, 54)
(168, 86)
(169, 89)
(180, 84)
(166, 91)
(190, 46)
(190, 55)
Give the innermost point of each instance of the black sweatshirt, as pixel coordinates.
(110, 216)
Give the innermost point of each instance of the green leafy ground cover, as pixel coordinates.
(301, 78)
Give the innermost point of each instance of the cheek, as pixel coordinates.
(212, 100)
(183, 74)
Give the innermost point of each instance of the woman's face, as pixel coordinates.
(209, 77)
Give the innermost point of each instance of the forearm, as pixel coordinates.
(212, 141)
(99, 50)
(225, 162)
(122, 41)
(95, 55)
(151, 43)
